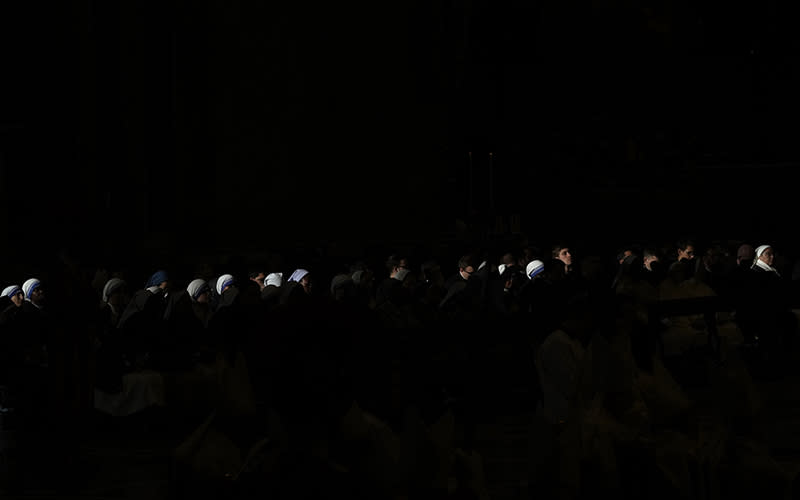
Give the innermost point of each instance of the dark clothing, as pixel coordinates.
(765, 309)
(463, 296)
(185, 335)
(391, 290)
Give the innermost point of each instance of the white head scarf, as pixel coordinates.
(223, 281)
(29, 286)
(501, 268)
(112, 285)
(533, 268)
(10, 291)
(274, 279)
(298, 275)
(196, 287)
(757, 262)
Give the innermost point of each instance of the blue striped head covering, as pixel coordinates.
(196, 288)
(534, 267)
(223, 281)
(29, 286)
(10, 291)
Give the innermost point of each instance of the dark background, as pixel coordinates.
(156, 123)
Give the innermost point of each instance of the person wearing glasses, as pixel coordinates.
(391, 288)
(463, 290)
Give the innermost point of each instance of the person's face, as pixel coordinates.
(686, 253)
(648, 260)
(626, 253)
(118, 298)
(37, 296)
(767, 256)
(306, 283)
(18, 298)
(403, 264)
(565, 256)
(466, 272)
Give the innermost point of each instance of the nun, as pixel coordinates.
(770, 306)
(111, 362)
(271, 293)
(33, 293)
(158, 283)
(147, 304)
(114, 299)
(226, 291)
(14, 294)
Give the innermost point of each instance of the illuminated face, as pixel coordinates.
(18, 298)
(687, 253)
(565, 256)
(467, 272)
(767, 256)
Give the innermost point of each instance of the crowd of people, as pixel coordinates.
(351, 341)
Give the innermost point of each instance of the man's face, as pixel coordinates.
(565, 256)
(648, 260)
(466, 272)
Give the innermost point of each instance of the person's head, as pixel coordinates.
(15, 294)
(466, 266)
(159, 279)
(713, 257)
(396, 264)
(224, 282)
(432, 273)
(198, 291)
(303, 278)
(509, 259)
(562, 252)
(273, 279)
(686, 250)
(765, 254)
(114, 292)
(649, 256)
(534, 269)
(745, 255)
(34, 292)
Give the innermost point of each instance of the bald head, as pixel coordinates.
(745, 253)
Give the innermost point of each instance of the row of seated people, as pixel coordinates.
(411, 340)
